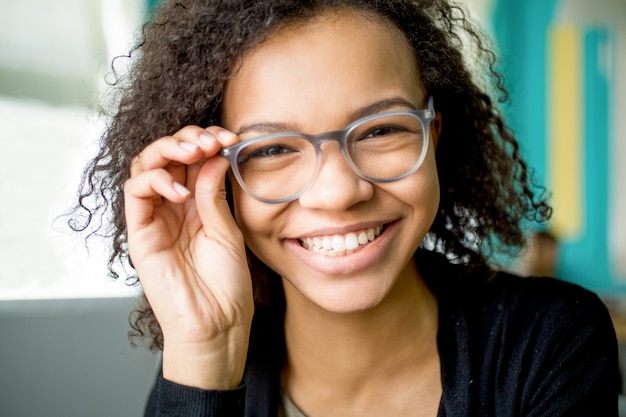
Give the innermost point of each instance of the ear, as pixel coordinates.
(435, 128)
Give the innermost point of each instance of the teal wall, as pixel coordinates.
(522, 30)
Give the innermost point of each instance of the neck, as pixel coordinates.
(349, 353)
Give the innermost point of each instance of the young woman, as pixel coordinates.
(309, 192)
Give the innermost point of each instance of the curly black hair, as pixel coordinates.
(191, 48)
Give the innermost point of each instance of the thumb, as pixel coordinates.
(211, 203)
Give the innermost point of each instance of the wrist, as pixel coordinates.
(216, 364)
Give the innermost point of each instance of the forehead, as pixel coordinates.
(363, 25)
(347, 57)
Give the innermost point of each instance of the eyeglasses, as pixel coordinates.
(384, 147)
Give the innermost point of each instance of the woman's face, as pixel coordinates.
(315, 78)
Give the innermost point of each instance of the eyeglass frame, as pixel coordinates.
(425, 116)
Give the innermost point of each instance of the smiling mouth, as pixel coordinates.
(338, 245)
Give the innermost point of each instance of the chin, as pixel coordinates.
(347, 299)
(349, 308)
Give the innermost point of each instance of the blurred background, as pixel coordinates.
(63, 323)
(64, 350)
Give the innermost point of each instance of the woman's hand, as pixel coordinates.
(190, 256)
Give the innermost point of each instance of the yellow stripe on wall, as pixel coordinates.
(565, 129)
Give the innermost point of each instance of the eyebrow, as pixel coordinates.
(381, 106)
(374, 108)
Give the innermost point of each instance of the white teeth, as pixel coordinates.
(341, 244)
(352, 242)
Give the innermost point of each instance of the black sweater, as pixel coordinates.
(508, 346)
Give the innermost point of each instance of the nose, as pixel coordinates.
(337, 187)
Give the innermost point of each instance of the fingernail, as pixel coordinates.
(189, 147)
(181, 189)
(225, 135)
(207, 139)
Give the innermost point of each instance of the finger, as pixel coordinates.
(223, 138)
(186, 146)
(210, 195)
(143, 192)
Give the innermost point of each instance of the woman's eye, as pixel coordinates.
(383, 131)
(269, 151)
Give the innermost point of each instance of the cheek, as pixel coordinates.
(423, 196)
(434, 196)
(259, 222)
(433, 182)
(255, 219)
(430, 176)
(423, 191)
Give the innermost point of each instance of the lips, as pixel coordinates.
(341, 244)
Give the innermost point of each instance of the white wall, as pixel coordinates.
(53, 59)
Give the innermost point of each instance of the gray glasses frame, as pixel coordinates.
(425, 117)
